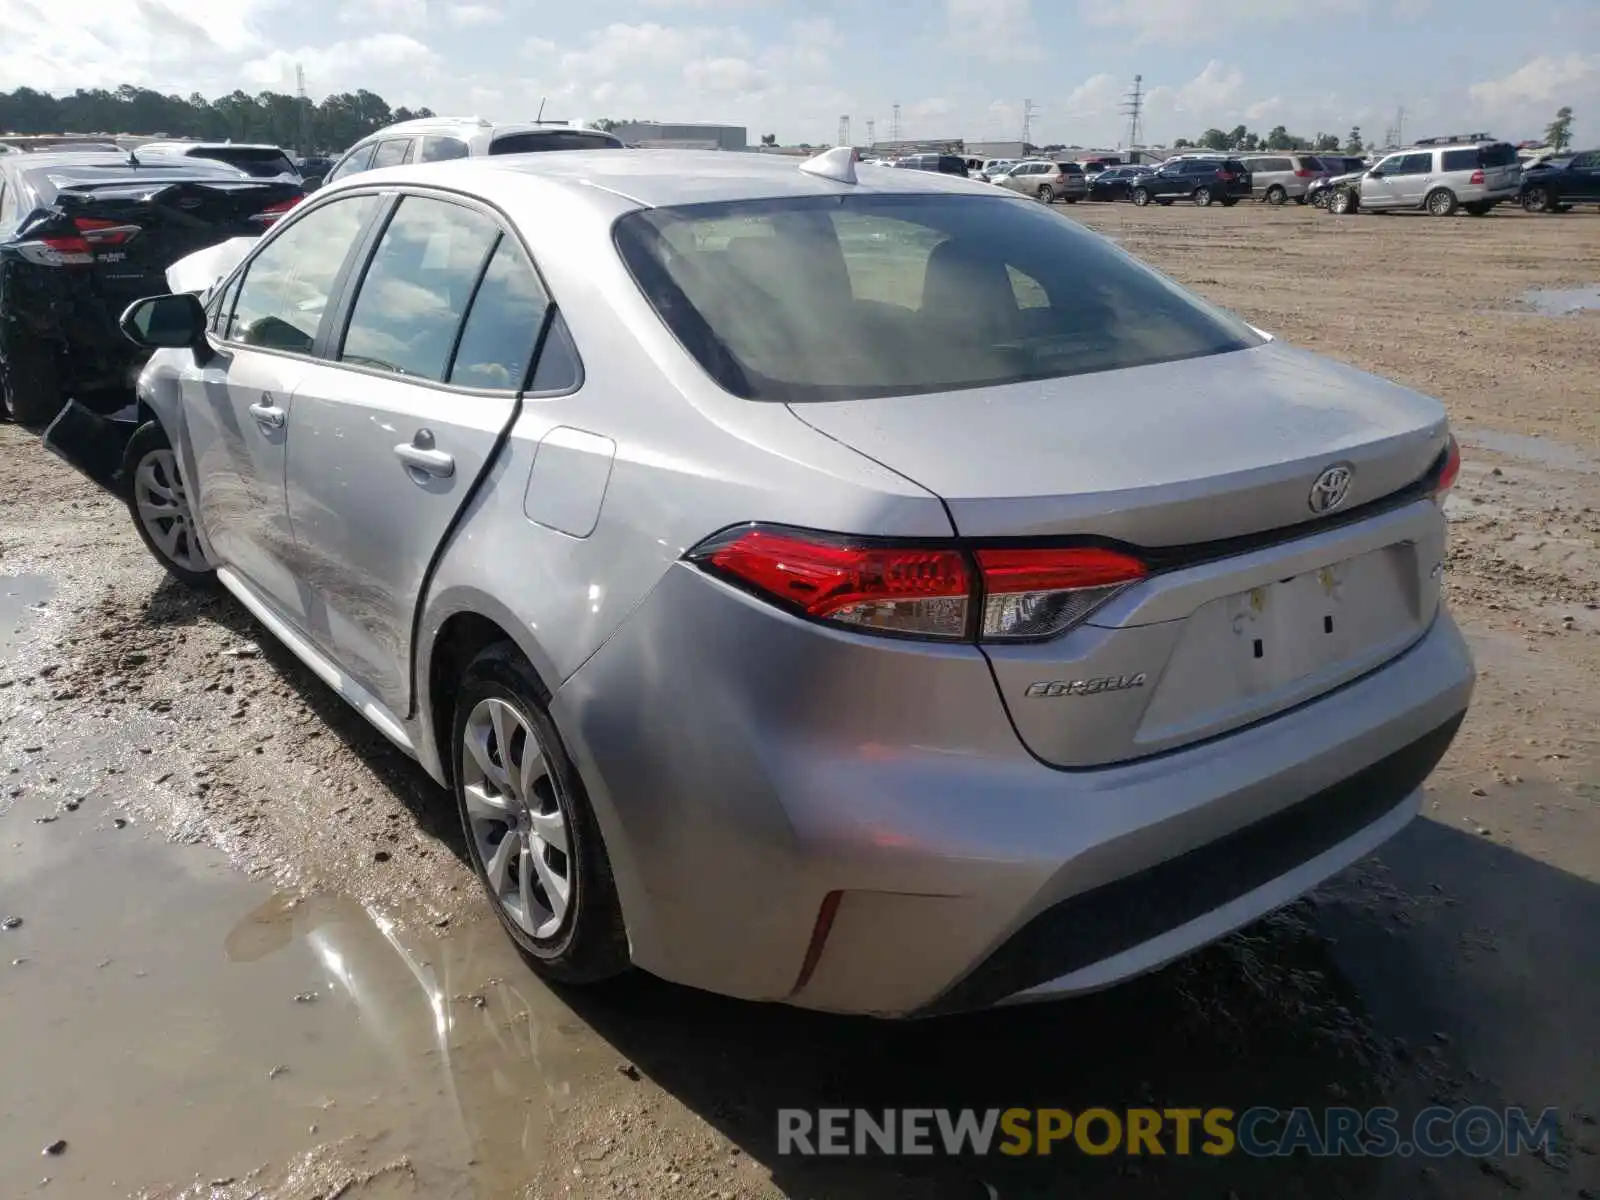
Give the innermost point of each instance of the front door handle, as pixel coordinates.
(419, 455)
(268, 414)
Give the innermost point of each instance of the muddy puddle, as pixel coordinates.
(185, 1031)
(22, 597)
(1562, 301)
(1546, 452)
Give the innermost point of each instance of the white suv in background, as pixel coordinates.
(432, 139)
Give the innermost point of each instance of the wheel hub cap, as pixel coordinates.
(164, 509)
(515, 819)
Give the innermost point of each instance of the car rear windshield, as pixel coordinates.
(1501, 154)
(528, 143)
(1069, 168)
(261, 164)
(840, 298)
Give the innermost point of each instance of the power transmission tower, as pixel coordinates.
(1133, 109)
(304, 105)
(1028, 110)
(872, 132)
(844, 131)
(894, 125)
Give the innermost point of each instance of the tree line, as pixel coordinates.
(1558, 134)
(289, 121)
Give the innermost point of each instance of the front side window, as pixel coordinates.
(1585, 162)
(416, 287)
(358, 160)
(286, 286)
(392, 153)
(1412, 164)
(503, 324)
(837, 298)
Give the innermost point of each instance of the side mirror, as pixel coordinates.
(174, 322)
(1375, 173)
(311, 183)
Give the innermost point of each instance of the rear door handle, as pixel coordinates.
(425, 459)
(268, 414)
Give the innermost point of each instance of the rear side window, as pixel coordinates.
(559, 369)
(285, 288)
(392, 153)
(551, 139)
(503, 324)
(832, 298)
(416, 287)
(437, 148)
(1460, 160)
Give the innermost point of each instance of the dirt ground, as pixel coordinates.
(252, 963)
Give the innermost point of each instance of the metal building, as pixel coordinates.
(663, 135)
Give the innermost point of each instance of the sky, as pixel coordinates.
(957, 68)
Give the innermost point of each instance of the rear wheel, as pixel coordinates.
(1537, 199)
(159, 505)
(530, 832)
(1070, 199)
(32, 385)
(1045, 195)
(1276, 195)
(1341, 202)
(1202, 197)
(1477, 209)
(1441, 202)
(1141, 197)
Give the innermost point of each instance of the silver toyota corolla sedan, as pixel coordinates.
(823, 583)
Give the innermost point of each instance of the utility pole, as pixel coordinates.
(872, 133)
(1028, 110)
(894, 125)
(844, 131)
(304, 105)
(1133, 109)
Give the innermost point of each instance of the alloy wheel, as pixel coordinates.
(516, 820)
(163, 507)
(1535, 200)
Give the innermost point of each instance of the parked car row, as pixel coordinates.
(523, 462)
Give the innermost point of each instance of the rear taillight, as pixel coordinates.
(1305, 173)
(921, 591)
(1039, 593)
(1226, 175)
(95, 232)
(272, 212)
(1449, 472)
(1477, 177)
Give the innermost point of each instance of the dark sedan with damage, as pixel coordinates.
(82, 236)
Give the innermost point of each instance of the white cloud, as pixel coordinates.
(728, 76)
(469, 15)
(1546, 80)
(1262, 109)
(994, 30)
(396, 56)
(1195, 20)
(385, 14)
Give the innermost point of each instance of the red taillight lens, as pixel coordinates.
(1032, 594)
(921, 591)
(272, 212)
(1303, 173)
(1477, 177)
(924, 592)
(95, 232)
(1450, 471)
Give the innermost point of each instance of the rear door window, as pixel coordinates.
(285, 287)
(416, 286)
(1501, 154)
(438, 147)
(1460, 160)
(502, 325)
(833, 298)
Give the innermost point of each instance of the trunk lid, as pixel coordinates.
(1172, 454)
(1178, 458)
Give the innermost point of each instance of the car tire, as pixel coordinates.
(158, 502)
(1229, 201)
(1319, 199)
(1343, 202)
(1276, 195)
(1202, 197)
(1070, 199)
(1140, 197)
(1477, 210)
(32, 385)
(1044, 195)
(541, 804)
(1538, 199)
(1441, 202)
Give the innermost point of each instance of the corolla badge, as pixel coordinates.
(1331, 487)
(1086, 687)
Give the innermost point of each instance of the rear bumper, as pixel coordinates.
(745, 765)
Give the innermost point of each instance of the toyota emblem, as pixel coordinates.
(1331, 487)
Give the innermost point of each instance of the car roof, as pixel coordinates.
(660, 178)
(187, 147)
(479, 125)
